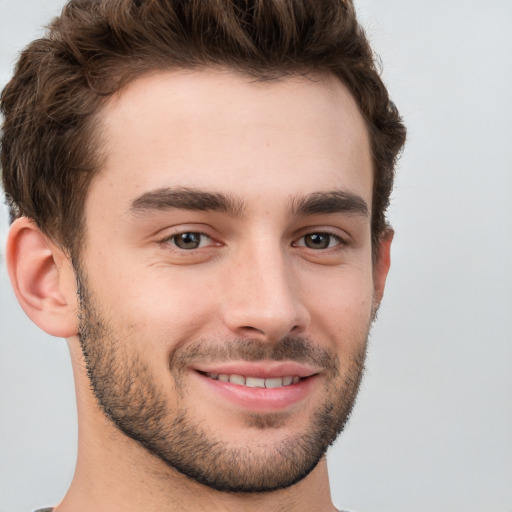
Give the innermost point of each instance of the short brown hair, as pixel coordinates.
(50, 148)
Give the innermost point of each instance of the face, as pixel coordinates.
(226, 279)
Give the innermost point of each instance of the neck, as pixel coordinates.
(133, 487)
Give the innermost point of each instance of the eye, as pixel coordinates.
(319, 241)
(190, 240)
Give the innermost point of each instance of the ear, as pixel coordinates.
(381, 267)
(43, 279)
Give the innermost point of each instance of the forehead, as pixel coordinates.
(220, 131)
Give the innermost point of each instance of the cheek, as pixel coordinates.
(155, 307)
(341, 307)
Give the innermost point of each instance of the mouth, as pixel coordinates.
(259, 387)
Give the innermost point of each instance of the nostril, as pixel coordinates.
(252, 329)
(296, 329)
(265, 319)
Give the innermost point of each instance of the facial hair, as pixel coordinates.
(138, 405)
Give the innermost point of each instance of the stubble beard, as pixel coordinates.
(137, 405)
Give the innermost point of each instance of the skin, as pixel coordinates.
(267, 147)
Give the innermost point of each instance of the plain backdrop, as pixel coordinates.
(432, 429)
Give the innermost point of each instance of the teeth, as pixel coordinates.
(274, 383)
(237, 379)
(255, 382)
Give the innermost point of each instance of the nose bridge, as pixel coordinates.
(264, 299)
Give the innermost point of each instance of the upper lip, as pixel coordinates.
(260, 369)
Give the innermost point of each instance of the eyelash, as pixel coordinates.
(172, 240)
(331, 236)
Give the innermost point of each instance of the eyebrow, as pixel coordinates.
(329, 202)
(199, 200)
(186, 199)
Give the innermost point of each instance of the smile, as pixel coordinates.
(255, 382)
(258, 387)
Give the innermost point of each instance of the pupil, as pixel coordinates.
(188, 241)
(317, 241)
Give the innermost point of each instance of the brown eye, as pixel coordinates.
(319, 241)
(190, 240)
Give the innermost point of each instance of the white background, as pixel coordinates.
(432, 431)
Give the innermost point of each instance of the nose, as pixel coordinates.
(263, 298)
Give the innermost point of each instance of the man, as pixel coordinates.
(198, 193)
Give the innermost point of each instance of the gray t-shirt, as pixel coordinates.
(50, 510)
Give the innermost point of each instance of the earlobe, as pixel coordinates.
(381, 267)
(43, 279)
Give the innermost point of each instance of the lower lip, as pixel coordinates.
(260, 399)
